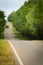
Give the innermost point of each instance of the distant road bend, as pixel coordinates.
(27, 52)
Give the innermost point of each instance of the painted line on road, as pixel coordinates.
(18, 58)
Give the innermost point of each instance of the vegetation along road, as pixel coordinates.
(6, 56)
(27, 52)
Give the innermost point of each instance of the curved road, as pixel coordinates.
(29, 52)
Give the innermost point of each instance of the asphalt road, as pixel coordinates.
(30, 52)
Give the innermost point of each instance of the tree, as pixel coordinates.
(38, 16)
(29, 19)
(2, 22)
(10, 17)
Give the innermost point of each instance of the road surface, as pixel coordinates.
(29, 52)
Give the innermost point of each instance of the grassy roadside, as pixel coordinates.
(6, 57)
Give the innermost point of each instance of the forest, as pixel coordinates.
(28, 19)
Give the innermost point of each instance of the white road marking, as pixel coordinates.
(18, 58)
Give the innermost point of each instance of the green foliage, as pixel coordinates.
(29, 19)
(2, 23)
(10, 17)
(38, 13)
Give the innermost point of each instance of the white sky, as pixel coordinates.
(10, 5)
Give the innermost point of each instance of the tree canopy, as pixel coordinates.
(29, 19)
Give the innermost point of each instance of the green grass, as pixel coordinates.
(6, 56)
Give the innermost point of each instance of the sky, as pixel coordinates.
(10, 5)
